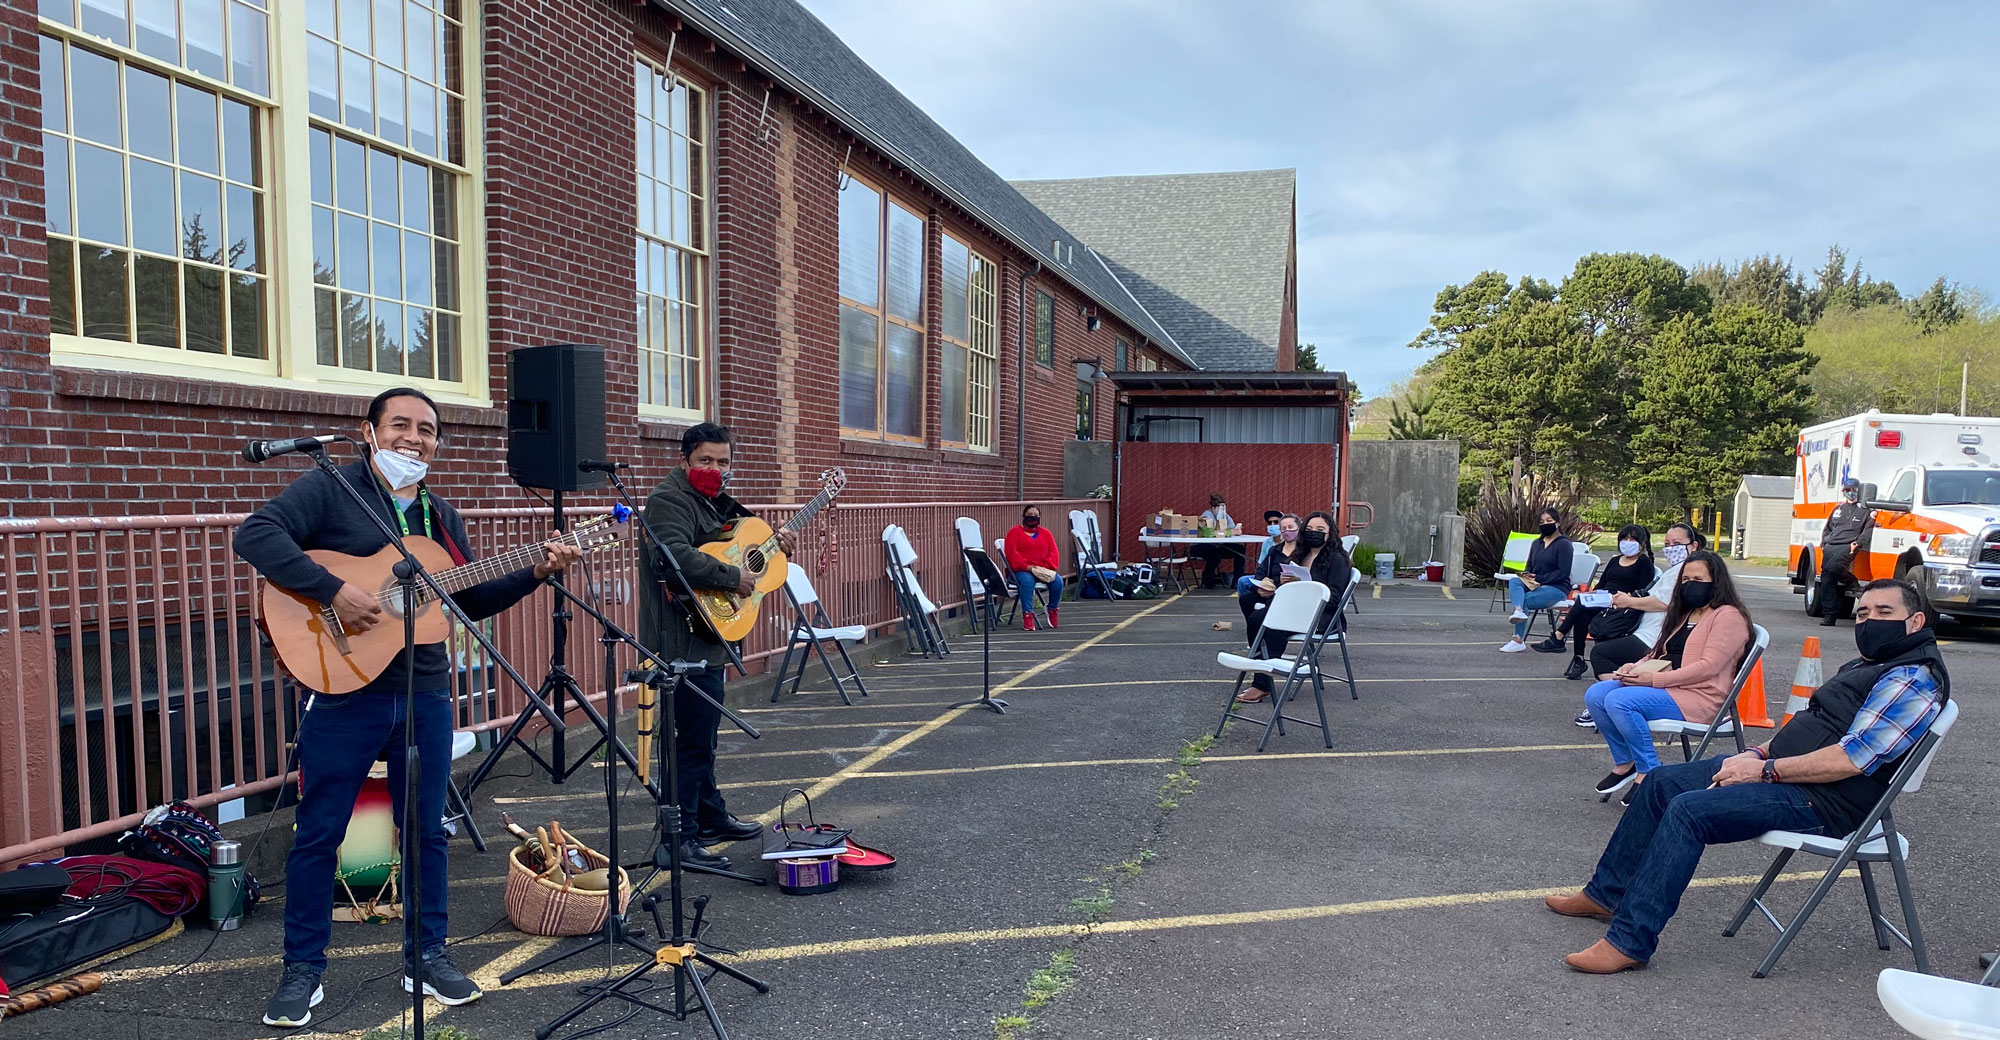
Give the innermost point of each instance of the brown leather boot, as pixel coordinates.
(1578, 905)
(1602, 959)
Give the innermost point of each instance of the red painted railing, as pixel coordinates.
(133, 672)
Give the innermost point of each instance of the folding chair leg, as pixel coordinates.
(1763, 885)
(852, 672)
(1347, 665)
(1799, 922)
(784, 669)
(839, 687)
(1687, 752)
(1319, 702)
(1875, 919)
(1903, 894)
(1277, 719)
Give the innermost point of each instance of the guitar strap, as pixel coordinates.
(436, 532)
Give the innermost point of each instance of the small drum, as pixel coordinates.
(364, 878)
(809, 876)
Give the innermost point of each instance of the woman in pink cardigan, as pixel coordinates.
(1686, 676)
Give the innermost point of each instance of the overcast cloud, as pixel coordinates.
(1434, 139)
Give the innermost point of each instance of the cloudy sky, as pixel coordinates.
(1434, 139)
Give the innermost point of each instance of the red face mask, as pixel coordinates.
(706, 482)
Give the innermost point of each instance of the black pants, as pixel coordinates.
(1836, 569)
(1274, 646)
(695, 725)
(1577, 625)
(1211, 557)
(1612, 654)
(1254, 607)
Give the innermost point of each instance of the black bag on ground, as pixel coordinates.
(1615, 623)
(32, 889)
(68, 938)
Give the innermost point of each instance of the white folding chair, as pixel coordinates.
(1297, 610)
(920, 623)
(1726, 722)
(1347, 544)
(1041, 587)
(1090, 564)
(1516, 552)
(1875, 841)
(1584, 567)
(1330, 636)
(813, 629)
(1941, 1009)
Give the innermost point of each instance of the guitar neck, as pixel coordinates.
(803, 517)
(465, 576)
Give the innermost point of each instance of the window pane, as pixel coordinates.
(55, 102)
(353, 23)
(416, 197)
(204, 310)
(905, 377)
(444, 260)
(326, 327)
(353, 252)
(417, 268)
(202, 234)
(319, 19)
(239, 131)
(906, 266)
(957, 267)
(105, 18)
(246, 317)
(350, 174)
(648, 219)
(95, 82)
(157, 30)
(150, 121)
(444, 207)
(100, 177)
(1045, 329)
(445, 346)
(323, 265)
(245, 223)
(858, 332)
(62, 287)
(388, 337)
(423, 363)
(354, 320)
(201, 24)
(249, 50)
(156, 288)
(55, 164)
(389, 99)
(861, 249)
(389, 31)
(953, 425)
(383, 196)
(423, 56)
(357, 91)
(63, 11)
(388, 260)
(200, 146)
(104, 293)
(323, 77)
(423, 118)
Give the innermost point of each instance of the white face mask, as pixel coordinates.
(400, 470)
(1629, 547)
(1675, 554)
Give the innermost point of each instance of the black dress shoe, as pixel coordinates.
(730, 829)
(693, 855)
(1575, 669)
(1828, 621)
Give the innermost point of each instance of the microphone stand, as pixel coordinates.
(409, 573)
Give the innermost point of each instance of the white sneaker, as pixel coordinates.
(1514, 646)
(1518, 615)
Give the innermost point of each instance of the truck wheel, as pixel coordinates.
(1811, 574)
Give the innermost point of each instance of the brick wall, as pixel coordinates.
(1295, 478)
(558, 173)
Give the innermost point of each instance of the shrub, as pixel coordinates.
(1507, 507)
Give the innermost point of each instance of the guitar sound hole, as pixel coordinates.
(754, 559)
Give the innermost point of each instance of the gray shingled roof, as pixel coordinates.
(1768, 487)
(785, 41)
(1205, 253)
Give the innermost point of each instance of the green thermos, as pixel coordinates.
(225, 886)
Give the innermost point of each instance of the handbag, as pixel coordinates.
(1615, 623)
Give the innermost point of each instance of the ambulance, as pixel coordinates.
(1934, 484)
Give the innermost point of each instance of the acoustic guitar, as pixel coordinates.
(749, 543)
(307, 635)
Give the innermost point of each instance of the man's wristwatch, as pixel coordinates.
(1770, 771)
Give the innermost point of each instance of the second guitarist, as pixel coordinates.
(686, 510)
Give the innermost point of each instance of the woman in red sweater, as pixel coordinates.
(1032, 556)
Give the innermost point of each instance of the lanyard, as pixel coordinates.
(403, 521)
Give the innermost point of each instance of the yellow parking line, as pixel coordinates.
(1448, 594)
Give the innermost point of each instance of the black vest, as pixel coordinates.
(1843, 804)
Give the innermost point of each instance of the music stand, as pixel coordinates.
(989, 575)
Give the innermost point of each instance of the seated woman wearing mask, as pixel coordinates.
(1253, 593)
(1032, 556)
(1631, 572)
(1544, 583)
(1685, 676)
(1319, 553)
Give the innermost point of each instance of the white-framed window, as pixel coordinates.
(971, 346)
(671, 251)
(264, 191)
(881, 315)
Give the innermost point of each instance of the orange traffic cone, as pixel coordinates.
(1806, 681)
(1750, 702)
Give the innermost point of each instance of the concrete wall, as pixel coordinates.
(1410, 484)
(1087, 466)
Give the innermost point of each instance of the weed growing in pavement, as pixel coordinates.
(1046, 984)
(1008, 1027)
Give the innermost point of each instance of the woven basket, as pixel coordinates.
(540, 906)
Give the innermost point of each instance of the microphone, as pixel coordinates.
(258, 451)
(599, 466)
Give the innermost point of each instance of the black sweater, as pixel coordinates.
(1549, 562)
(314, 514)
(1631, 579)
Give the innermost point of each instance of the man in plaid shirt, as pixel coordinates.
(1820, 774)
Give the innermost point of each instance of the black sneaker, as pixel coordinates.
(1613, 782)
(1585, 721)
(1575, 671)
(1551, 645)
(298, 993)
(443, 982)
(1629, 792)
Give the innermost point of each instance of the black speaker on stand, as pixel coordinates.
(555, 419)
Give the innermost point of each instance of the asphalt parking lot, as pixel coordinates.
(1086, 866)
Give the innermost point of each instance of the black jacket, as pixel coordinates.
(1331, 569)
(315, 514)
(1550, 562)
(1826, 718)
(683, 518)
(1850, 523)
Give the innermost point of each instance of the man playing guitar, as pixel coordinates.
(341, 735)
(687, 510)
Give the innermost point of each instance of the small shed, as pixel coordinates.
(1762, 523)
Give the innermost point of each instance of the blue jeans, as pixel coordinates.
(1622, 713)
(1653, 853)
(1024, 583)
(1518, 594)
(338, 742)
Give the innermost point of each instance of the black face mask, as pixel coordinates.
(1883, 640)
(1696, 594)
(1031, 522)
(1312, 539)
(1548, 529)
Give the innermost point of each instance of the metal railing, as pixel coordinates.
(133, 670)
